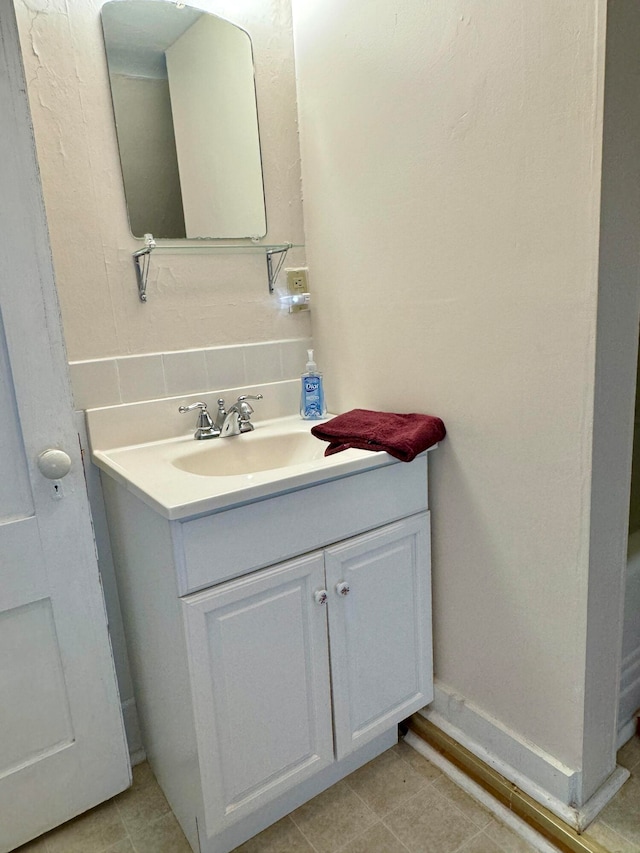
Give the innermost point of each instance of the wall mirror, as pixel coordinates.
(184, 102)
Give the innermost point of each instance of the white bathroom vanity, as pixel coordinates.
(278, 615)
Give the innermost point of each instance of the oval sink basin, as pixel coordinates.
(249, 453)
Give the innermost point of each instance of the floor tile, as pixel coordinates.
(93, 832)
(430, 823)
(378, 839)
(282, 837)
(161, 836)
(398, 802)
(386, 782)
(417, 761)
(481, 843)
(142, 774)
(121, 847)
(333, 818)
(610, 839)
(623, 812)
(141, 805)
(470, 807)
(629, 755)
(507, 839)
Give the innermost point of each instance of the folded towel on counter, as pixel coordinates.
(402, 436)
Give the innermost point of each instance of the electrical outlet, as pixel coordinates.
(297, 284)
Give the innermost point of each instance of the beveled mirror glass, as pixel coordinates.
(184, 101)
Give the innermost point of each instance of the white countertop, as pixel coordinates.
(145, 448)
(151, 471)
(150, 450)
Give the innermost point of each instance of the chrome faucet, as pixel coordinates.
(237, 419)
(205, 428)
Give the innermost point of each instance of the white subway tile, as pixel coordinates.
(185, 372)
(293, 355)
(262, 363)
(225, 368)
(129, 379)
(94, 383)
(141, 378)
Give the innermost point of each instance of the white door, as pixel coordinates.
(62, 747)
(379, 587)
(259, 662)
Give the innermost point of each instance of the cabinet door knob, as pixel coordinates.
(343, 588)
(320, 596)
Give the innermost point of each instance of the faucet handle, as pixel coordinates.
(205, 428)
(199, 405)
(244, 409)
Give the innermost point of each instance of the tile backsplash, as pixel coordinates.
(129, 379)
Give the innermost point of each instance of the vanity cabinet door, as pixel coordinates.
(380, 629)
(259, 662)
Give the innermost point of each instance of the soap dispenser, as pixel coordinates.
(312, 405)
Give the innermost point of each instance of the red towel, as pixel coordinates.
(402, 436)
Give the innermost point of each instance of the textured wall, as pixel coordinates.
(195, 301)
(451, 173)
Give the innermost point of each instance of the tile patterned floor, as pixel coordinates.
(398, 803)
(618, 825)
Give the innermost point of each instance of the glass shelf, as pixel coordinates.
(167, 248)
(141, 258)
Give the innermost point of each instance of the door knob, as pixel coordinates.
(343, 588)
(54, 464)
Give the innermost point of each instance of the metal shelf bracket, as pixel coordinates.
(272, 274)
(141, 260)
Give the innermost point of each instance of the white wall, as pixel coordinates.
(451, 170)
(194, 301)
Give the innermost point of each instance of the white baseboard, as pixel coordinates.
(605, 793)
(132, 730)
(547, 780)
(137, 757)
(502, 748)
